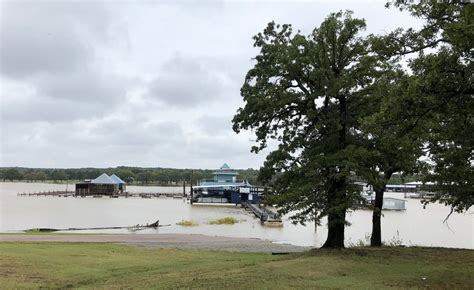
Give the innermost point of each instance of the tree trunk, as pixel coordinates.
(376, 238)
(336, 218)
(337, 195)
(336, 226)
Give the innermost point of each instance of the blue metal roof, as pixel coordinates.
(103, 179)
(225, 166)
(117, 179)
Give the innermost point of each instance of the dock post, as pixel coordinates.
(191, 186)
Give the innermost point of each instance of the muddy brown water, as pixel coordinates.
(415, 226)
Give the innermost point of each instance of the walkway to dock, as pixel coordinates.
(263, 213)
(58, 193)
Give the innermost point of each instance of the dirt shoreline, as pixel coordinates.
(181, 241)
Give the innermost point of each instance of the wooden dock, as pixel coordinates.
(126, 194)
(263, 213)
(48, 193)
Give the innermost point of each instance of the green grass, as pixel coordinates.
(85, 265)
(33, 231)
(224, 221)
(188, 223)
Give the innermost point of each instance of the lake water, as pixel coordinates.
(415, 226)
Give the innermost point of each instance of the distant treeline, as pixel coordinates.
(132, 175)
(138, 175)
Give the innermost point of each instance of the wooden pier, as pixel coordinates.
(263, 213)
(126, 194)
(48, 193)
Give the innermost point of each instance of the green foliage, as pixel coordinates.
(188, 223)
(400, 179)
(12, 174)
(224, 221)
(131, 175)
(35, 175)
(437, 101)
(58, 174)
(146, 177)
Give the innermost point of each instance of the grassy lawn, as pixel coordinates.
(85, 265)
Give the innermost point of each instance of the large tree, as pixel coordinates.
(389, 147)
(12, 174)
(438, 98)
(308, 93)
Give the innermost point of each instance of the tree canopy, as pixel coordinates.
(339, 105)
(308, 93)
(437, 99)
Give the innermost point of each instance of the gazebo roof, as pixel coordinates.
(225, 166)
(117, 179)
(103, 179)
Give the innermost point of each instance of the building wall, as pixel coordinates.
(226, 177)
(235, 197)
(96, 189)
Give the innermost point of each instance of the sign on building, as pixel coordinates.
(244, 189)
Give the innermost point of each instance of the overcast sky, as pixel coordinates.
(155, 84)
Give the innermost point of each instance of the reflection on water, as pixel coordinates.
(415, 226)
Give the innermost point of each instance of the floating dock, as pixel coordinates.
(264, 214)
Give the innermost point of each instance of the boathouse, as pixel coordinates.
(389, 203)
(225, 187)
(121, 184)
(102, 185)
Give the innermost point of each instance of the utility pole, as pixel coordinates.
(192, 177)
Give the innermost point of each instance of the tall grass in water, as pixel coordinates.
(187, 223)
(224, 221)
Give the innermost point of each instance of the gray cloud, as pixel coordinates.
(50, 110)
(129, 133)
(65, 97)
(186, 83)
(51, 49)
(84, 87)
(37, 37)
(142, 84)
(215, 125)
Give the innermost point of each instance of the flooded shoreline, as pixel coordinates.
(182, 241)
(415, 226)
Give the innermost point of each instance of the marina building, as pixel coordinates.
(225, 187)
